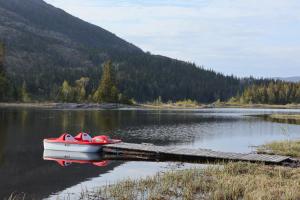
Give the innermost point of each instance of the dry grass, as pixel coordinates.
(285, 116)
(16, 196)
(286, 148)
(183, 104)
(261, 106)
(231, 181)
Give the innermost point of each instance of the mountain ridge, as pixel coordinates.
(46, 45)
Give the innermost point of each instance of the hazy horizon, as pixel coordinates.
(242, 38)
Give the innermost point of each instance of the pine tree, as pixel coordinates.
(107, 90)
(3, 79)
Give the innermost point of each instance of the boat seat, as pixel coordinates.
(68, 137)
(83, 137)
(65, 137)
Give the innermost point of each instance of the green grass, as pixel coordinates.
(230, 181)
(286, 148)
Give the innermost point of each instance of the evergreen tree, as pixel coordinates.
(3, 79)
(107, 90)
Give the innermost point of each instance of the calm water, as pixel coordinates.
(23, 169)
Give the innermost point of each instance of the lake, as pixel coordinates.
(23, 169)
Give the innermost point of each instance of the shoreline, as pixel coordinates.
(72, 106)
(108, 106)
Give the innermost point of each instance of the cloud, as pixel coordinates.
(243, 37)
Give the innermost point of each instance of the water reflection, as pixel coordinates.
(24, 118)
(92, 121)
(22, 131)
(65, 158)
(3, 136)
(283, 120)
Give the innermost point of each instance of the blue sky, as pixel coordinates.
(240, 37)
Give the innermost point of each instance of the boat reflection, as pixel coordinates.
(66, 158)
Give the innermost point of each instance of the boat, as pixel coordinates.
(66, 158)
(82, 142)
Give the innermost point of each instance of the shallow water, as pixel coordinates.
(23, 169)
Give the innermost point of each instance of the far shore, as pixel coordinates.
(52, 105)
(266, 106)
(162, 106)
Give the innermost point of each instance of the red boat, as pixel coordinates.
(82, 142)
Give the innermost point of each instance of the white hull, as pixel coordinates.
(59, 146)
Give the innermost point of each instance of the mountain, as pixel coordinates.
(45, 46)
(293, 79)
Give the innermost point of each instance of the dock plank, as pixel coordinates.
(195, 153)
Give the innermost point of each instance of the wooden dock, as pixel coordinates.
(199, 155)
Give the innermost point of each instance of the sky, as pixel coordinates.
(240, 37)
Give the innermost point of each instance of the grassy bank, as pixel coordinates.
(230, 181)
(218, 104)
(28, 105)
(184, 104)
(81, 106)
(173, 105)
(282, 118)
(285, 117)
(241, 105)
(286, 148)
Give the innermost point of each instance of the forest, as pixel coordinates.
(3, 79)
(113, 84)
(107, 90)
(274, 92)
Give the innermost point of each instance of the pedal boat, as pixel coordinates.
(83, 142)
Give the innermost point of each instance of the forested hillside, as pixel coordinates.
(3, 79)
(46, 46)
(275, 92)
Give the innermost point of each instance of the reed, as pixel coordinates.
(229, 181)
(16, 196)
(286, 148)
(285, 116)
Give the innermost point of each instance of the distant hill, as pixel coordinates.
(293, 79)
(46, 46)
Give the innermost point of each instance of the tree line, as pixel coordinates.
(3, 79)
(107, 90)
(275, 92)
(9, 91)
(142, 77)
